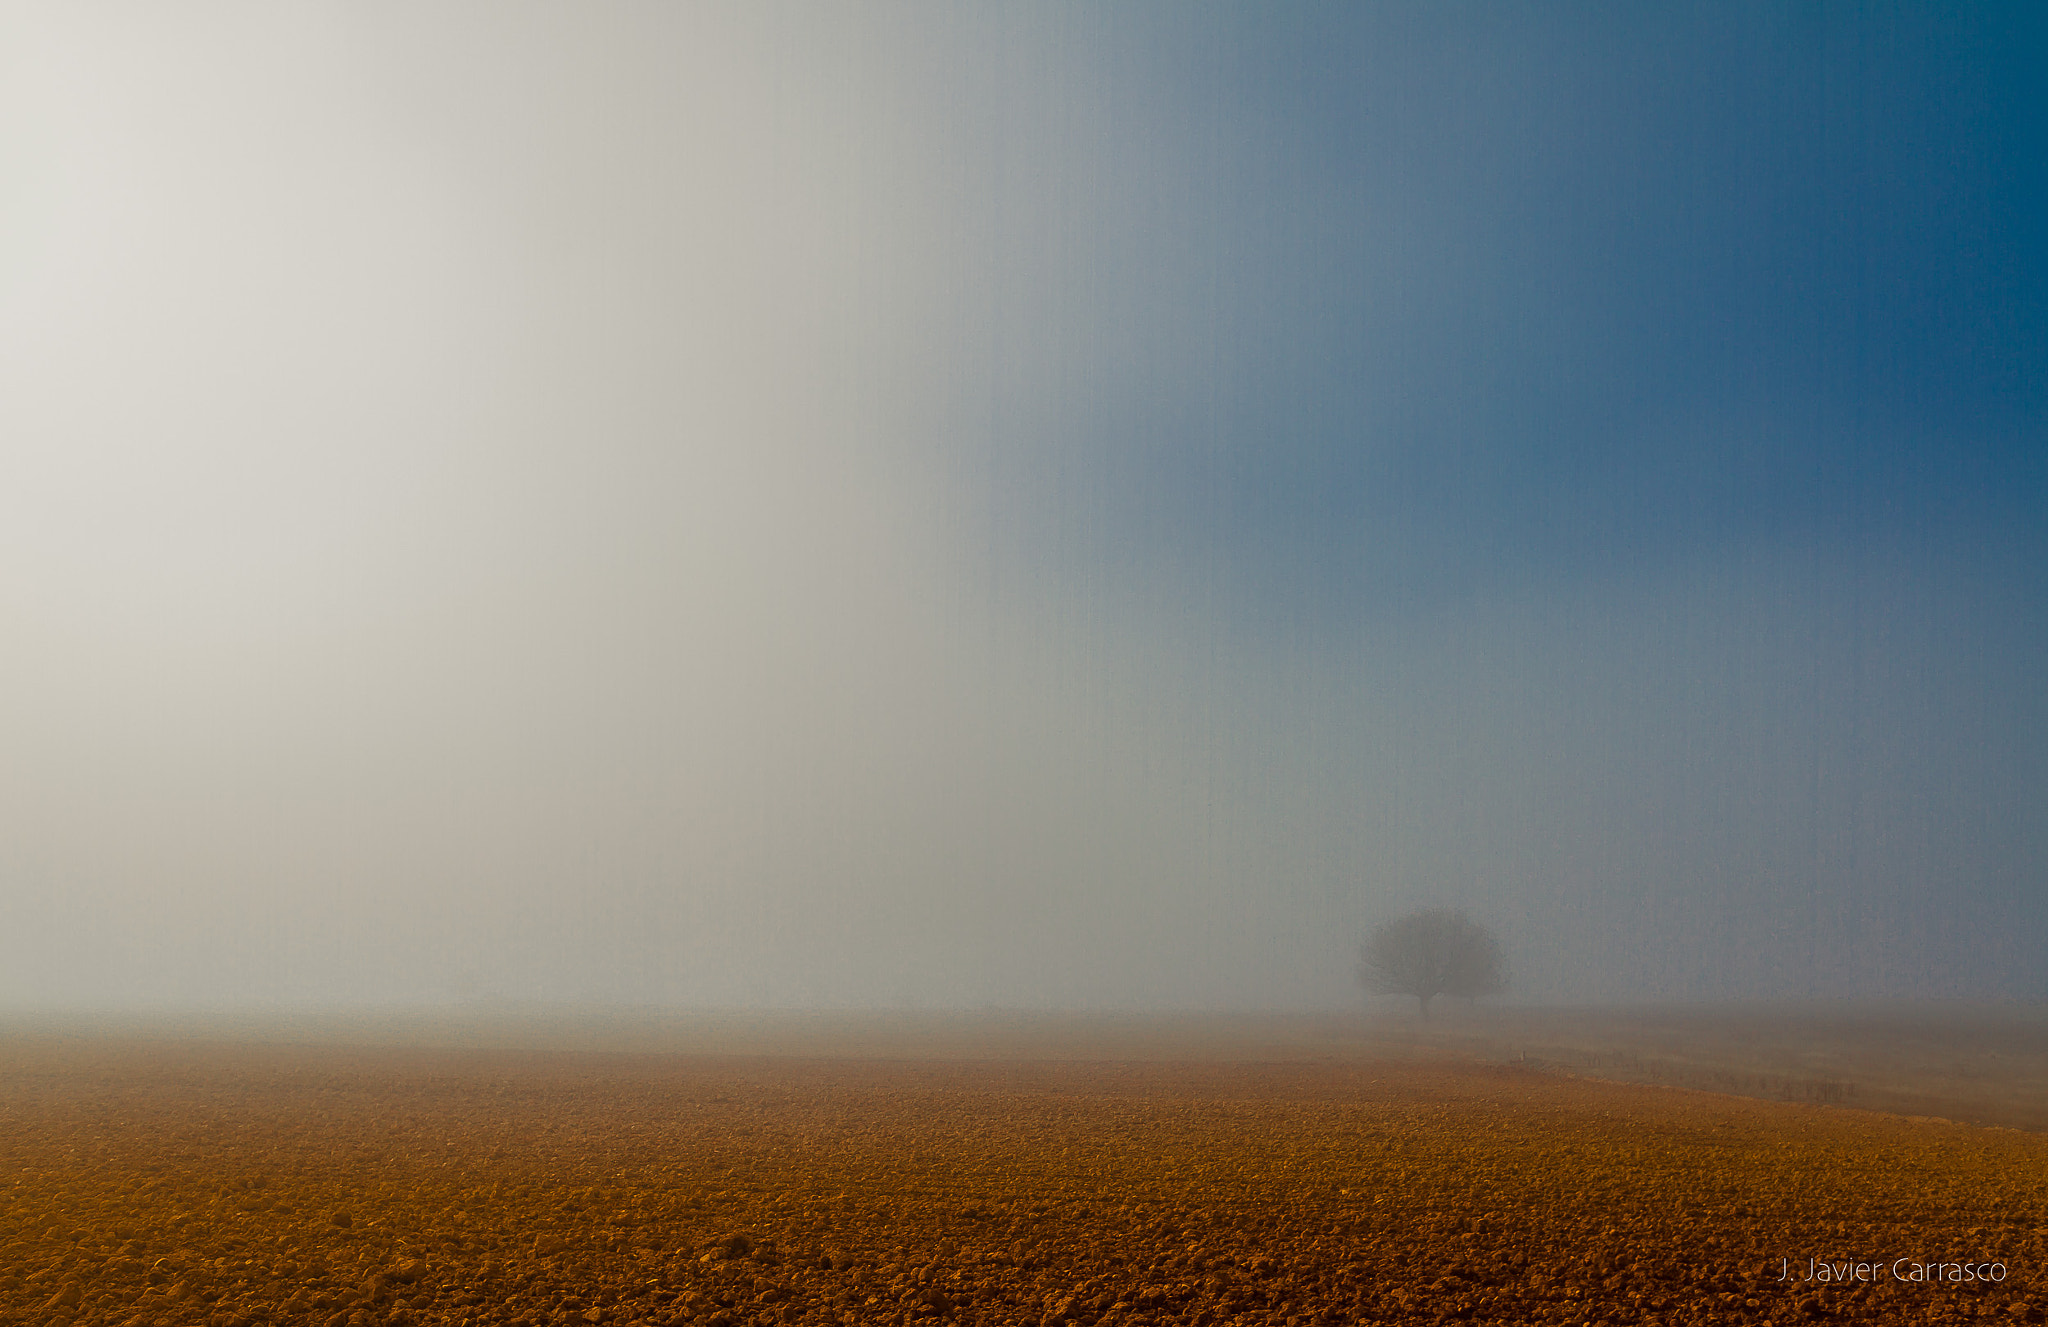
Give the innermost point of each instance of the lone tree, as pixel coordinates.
(1437, 951)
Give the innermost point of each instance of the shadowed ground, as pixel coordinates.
(1985, 1064)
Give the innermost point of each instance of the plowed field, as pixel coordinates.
(185, 1182)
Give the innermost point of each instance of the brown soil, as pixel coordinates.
(186, 1182)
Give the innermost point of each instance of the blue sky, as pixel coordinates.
(1625, 424)
(1568, 290)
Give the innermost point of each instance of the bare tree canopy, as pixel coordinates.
(1437, 951)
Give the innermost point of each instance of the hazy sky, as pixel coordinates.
(1019, 505)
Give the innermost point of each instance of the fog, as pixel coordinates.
(1021, 506)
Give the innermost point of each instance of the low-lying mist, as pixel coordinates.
(725, 508)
